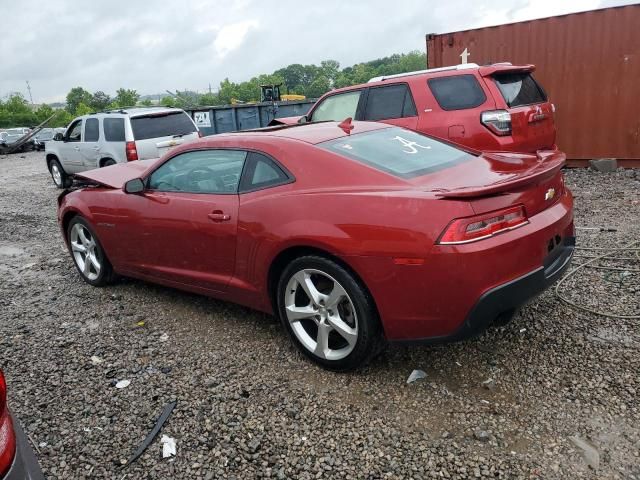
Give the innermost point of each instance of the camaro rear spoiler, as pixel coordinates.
(548, 165)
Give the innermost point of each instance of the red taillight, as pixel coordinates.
(498, 121)
(132, 151)
(7, 435)
(465, 230)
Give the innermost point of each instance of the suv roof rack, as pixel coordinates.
(462, 66)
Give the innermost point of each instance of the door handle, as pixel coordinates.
(96, 148)
(219, 216)
(76, 148)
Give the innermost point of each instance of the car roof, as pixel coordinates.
(135, 111)
(463, 69)
(308, 132)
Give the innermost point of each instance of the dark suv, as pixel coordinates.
(492, 107)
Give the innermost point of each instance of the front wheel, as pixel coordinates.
(87, 253)
(329, 315)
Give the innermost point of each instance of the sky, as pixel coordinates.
(154, 45)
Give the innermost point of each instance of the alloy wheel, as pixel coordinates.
(56, 174)
(85, 251)
(321, 314)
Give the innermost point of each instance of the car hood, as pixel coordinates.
(117, 175)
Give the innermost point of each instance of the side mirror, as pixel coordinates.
(303, 119)
(58, 137)
(134, 186)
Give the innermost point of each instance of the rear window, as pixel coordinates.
(113, 129)
(458, 92)
(519, 89)
(162, 125)
(397, 151)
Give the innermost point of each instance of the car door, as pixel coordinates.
(89, 146)
(182, 228)
(70, 148)
(391, 104)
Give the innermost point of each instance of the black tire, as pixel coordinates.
(108, 162)
(106, 275)
(64, 179)
(369, 333)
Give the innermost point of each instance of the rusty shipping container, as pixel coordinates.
(589, 64)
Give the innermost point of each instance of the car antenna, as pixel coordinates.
(346, 125)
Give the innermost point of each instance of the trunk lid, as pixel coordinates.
(498, 180)
(117, 175)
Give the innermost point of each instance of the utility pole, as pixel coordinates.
(209, 88)
(29, 88)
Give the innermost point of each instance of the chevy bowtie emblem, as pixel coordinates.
(173, 143)
(550, 194)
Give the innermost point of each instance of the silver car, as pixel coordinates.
(117, 136)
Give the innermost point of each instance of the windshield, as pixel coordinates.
(397, 151)
(162, 125)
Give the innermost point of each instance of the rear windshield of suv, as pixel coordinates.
(519, 89)
(161, 125)
(397, 151)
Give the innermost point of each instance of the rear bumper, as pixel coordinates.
(25, 465)
(509, 296)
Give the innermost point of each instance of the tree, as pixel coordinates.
(168, 102)
(83, 109)
(208, 99)
(146, 102)
(99, 101)
(126, 97)
(76, 96)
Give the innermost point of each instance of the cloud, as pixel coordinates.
(158, 45)
(230, 37)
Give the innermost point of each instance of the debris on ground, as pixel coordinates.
(416, 375)
(489, 384)
(162, 419)
(588, 451)
(123, 384)
(168, 446)
(96, 360)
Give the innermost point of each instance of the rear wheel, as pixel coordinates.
(87, 252)
(108, 162)
(328, 314)
(59, 176)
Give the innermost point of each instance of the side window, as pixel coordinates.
(337, 107)
(393, 101)
(113, 129)
(75, 132)
(262, 172)
(200, 171)
(91, 131)
(457, 92)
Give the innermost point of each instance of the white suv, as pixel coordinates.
(117, 136)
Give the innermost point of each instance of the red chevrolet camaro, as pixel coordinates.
(352, 233)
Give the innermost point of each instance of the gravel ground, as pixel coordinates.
(249, 406)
